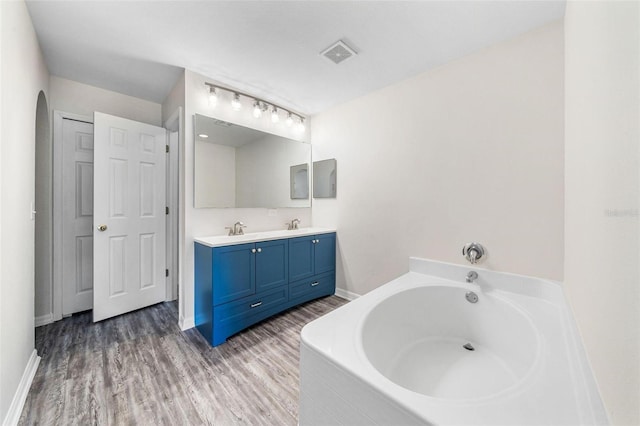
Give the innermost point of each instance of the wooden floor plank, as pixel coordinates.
(140, 368)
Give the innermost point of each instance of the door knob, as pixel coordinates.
(102, 228)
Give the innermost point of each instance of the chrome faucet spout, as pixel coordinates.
(236, 229)
(293, 224)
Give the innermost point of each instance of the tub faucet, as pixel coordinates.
(473, 252)
(472, 276)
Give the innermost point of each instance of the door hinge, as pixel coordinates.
(166, 148)
(166, 210)
(166, 272)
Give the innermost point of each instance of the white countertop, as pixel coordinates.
(228, 240)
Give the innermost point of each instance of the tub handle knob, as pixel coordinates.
(473, 252)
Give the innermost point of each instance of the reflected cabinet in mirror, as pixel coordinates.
(236, 166)
(324, 178)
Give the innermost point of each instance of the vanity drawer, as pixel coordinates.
(237, 315)
(312, 288)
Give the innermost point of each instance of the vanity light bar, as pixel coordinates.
(260, 105)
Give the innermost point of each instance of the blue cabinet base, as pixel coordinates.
(222, 307)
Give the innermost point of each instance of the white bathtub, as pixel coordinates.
(397, 355)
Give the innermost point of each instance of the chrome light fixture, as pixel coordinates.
(260, 106)
(213, 96)
(235, 102)
(257, 109)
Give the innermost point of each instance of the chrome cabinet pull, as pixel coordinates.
(255, 305)
(314, 284)
(253, 250)
(259, 250)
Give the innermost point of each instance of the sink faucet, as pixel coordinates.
(472, 276)
(293, 224)
(236, 229)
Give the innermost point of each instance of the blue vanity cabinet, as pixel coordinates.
(242, 283)
(324, 256)
(239, 285)
(311, 255)
(272, 264)
(312, 264)
(234, 272)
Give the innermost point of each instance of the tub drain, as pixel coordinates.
(469, 347)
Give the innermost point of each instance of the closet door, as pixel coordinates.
(77, 216)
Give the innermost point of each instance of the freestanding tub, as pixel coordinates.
(417, 351)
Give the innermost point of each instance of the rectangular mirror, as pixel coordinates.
(324, 178)
(236, 166)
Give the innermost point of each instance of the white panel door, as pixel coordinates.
(129, 216)
(77, 216)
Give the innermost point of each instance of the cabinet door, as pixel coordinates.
(325, 253)
(272, 259)
(301, 257)
(233, 272)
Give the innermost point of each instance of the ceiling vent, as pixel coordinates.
(338, 52)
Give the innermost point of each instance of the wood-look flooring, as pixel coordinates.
(140, 369)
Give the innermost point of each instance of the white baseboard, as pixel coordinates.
(19, 398)
(345, 294)
(43, 320)
(186, 323)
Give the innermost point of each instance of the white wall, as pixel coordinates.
(602, 183)
(82, 99)
(202, 222)
(23, 75)
(470, 151)
(215, 183)
(263, 173)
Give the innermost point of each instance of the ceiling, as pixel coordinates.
(270, 48)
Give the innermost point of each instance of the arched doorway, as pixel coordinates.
(43, 307)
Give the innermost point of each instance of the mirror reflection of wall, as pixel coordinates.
(300, 182)
(236, 166)
(324, 178)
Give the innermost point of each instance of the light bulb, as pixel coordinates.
(213, 96)
(301, 127)
(289, 120)
(274, 115)
(235, 102)
(257, 111)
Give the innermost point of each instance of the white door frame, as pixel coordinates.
(173, 124)
(58, 117)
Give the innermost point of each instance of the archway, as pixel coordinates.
(43, 306)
